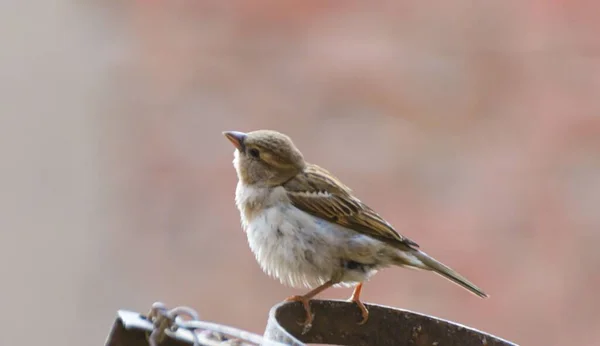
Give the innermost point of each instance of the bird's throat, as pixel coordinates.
(252, 200)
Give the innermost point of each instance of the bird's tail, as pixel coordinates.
(430, 263)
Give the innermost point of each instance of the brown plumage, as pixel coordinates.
(317, 192)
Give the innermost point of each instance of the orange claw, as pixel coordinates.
(306, 303)
(355, 298)
(305, 300)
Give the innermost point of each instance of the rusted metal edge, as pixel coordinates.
(336, 322)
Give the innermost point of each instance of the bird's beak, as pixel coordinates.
(237, 138)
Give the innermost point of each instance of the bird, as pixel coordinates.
(308, 229)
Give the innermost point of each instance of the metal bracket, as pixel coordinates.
(132, 329)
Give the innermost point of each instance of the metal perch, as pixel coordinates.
(335, 323)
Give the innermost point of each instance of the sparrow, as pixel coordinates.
(307, 229)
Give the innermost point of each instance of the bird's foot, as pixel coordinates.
(305, 300)
(355, 298)
(307, 324)
(363, 310)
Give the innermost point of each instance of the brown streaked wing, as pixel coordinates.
(320, 194)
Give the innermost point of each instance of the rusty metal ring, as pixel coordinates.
(336, 323)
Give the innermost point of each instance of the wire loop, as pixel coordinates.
(166, 322)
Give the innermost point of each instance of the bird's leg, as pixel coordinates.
(305, 299)
(355, 298)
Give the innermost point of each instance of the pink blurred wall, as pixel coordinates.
(474, 128)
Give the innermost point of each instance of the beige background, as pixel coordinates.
(474, 128)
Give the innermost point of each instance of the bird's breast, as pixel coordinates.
(297, 248)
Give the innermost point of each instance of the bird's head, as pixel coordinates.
(264, 157)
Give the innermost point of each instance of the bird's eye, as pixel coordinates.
(254, 152)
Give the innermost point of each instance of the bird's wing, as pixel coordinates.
(319, 193)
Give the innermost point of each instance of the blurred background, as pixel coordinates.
(474, 128)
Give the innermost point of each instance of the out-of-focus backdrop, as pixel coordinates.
(473, 127)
